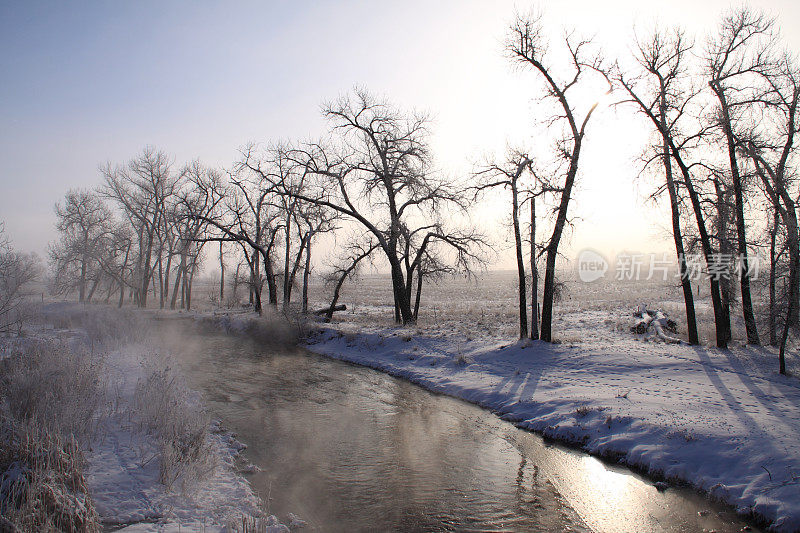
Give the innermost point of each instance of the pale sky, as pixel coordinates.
(97, 81)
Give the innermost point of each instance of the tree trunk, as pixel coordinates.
(335, 297)
(725, 284)
(93, 289)
(521, 294)
(741, 239)
(82, 281)
(160, 283)
(552, 246)
(402, 300)
(419, 292)
(167, 272)
(189, 280)
(773, 233)
(221, 276)
(287, 293)
(534, 275)
(178, 276)
(793, 272)
(146, 271)
(236, 283)
(295, 267)
(722, 327)
(272, 287)
(677, 234)
(306, 275)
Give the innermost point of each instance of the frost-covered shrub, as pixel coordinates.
(17, 272)
(49, 397)
(53, 386)
(269, 330)
(102, 324)
(268, 524)
(42, 487)
(175, 416)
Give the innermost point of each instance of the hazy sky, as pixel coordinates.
(91, 82)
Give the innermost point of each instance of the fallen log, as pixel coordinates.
(654, 322)
(326, 310)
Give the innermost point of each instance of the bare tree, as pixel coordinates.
(734, 58)
(17, 271)
(281, 175)
(312, 221)
(83, 222)
(249, 217)
(526, 45)
(663, 97)
(663, 60)
(509, 176)
(357, 251)
(199, 199)
(770, 146)
(142, 189)
(378, 175)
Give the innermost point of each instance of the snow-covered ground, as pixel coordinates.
(123, 468)
(724, 421)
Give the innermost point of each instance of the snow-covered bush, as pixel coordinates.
(174, 415)
(102, 324)
(42, 487)
(17, 271)
(52, 386)
(269, 330)
(49, 398)
(268, 524)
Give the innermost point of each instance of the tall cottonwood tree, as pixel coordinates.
(668, 114)
(734, 58)
(662, 92)
(527, 45)
(250, 217)
(376, 171)
(509, 176)
(17, 271)
(770, 144)
(143, 189)
(84, 224)
(280, 173)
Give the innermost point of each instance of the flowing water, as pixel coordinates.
(348, 448)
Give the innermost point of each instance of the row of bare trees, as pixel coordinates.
(723, 117)
(143, 230)
(136, 233)
(725, 114)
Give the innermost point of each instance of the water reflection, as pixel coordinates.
(351, 449)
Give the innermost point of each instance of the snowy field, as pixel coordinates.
(724, 421)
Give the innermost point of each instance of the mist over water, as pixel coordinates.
(349, 448)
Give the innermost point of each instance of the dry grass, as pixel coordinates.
(49, 398)
(53, 386)
(174, 415)
(42, 487)
(104, 325)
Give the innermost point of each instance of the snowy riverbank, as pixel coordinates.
(725, 422)
(124, 464)
(154, 458)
